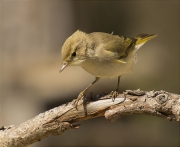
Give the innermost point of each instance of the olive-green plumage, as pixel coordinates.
(102, 54)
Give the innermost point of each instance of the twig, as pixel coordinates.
(60, 119)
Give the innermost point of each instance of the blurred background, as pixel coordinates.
(32, 34)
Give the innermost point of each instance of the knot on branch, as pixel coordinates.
(162, 98)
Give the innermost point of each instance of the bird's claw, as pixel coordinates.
(114, 94)
(80, 96)
(85, 98)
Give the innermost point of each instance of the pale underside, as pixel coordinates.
(109, 68)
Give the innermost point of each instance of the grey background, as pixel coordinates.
(31, 36)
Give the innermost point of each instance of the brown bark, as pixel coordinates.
(60, 119)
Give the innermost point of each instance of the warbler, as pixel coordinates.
(102, 55)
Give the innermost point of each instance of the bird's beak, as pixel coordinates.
(65, 64)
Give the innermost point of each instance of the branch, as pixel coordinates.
(60, 119)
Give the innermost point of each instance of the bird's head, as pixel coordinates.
(74, 50)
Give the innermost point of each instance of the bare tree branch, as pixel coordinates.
(60, 119)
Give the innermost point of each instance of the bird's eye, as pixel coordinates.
(74, 54)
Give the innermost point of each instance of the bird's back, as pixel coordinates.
(109, 45)
(114, 55)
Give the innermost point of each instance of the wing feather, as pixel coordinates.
(112, 45)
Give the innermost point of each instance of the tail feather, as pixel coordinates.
(143, 38)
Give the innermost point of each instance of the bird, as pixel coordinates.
(103, 55)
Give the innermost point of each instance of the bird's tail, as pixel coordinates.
(143, 38)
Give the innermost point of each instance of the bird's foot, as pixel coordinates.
(80, 96)
(85, 98)
(114, 94)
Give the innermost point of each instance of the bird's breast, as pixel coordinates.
(108, 68)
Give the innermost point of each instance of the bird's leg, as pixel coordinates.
(118, 84)
(115, 93)
(81, 95)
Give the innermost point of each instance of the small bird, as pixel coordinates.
(102, 55)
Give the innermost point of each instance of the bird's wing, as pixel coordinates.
(109, 46)
(112, 45)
